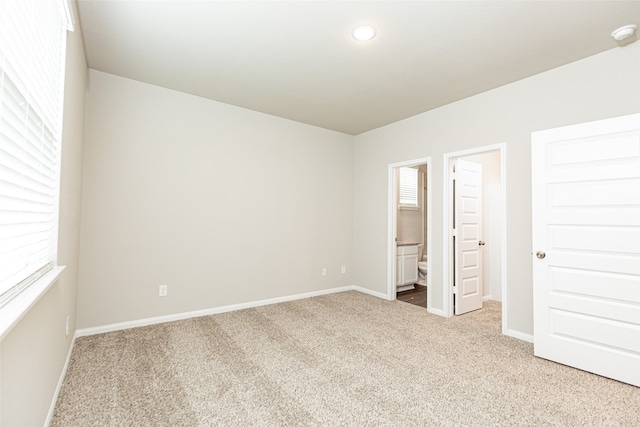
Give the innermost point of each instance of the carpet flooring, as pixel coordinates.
(346, 359)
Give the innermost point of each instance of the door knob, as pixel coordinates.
(540, 254)
(481, 243)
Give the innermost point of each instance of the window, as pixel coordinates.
(408, 188)
(32, 56)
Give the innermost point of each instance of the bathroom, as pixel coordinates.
(411, 235)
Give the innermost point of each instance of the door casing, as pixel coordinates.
(393, 224)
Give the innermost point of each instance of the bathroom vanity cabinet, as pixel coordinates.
(406, 267)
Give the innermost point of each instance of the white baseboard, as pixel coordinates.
(519, 335)
(52, 407)
(436, 311)
(370, 292)
(206, 312)
(224, 309)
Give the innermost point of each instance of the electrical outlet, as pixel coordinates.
(324, 271)
(66, 327)
(162, 291)
(343, 269)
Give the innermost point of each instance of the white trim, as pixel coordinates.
(432, 310)
(391, 233)
(519, 335)
(428, 248)
(63, 374)
(206, 312)
(503, 242)
(14, 310)
(69, 15)
(370, 292)
(448, 158)
(392, 225)
(447, 234)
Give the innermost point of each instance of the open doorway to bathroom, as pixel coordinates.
(409, 231)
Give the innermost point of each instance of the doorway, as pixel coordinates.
(394, 265)
(493, 230)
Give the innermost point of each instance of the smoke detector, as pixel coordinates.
(624, 32)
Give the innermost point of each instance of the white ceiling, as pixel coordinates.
(297, 59)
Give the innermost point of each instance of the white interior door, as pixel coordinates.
(467, 235)
(586, 234)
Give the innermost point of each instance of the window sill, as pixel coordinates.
(409, 208)
(15, 309)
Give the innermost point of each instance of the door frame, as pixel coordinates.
(447, 230)
(392, 227)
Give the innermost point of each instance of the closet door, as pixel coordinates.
(586, 246)
(468, 233)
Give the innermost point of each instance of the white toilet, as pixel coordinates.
(423, 268)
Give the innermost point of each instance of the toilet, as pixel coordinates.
(423, 268)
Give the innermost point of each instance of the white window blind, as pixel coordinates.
(408, 187)
(32, 55)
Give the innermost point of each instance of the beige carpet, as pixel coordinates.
(341, 359)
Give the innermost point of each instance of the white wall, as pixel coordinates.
(33, 354)
(410, 225)
(598, 87)
(222, 204)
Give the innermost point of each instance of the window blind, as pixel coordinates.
(32, 55)
(408, 187)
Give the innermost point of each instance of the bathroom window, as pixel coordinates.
(408, 188)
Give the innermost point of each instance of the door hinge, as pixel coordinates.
(454, 232)
(455, 289)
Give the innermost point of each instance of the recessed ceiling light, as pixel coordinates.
(624, 32)
(364, 32)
